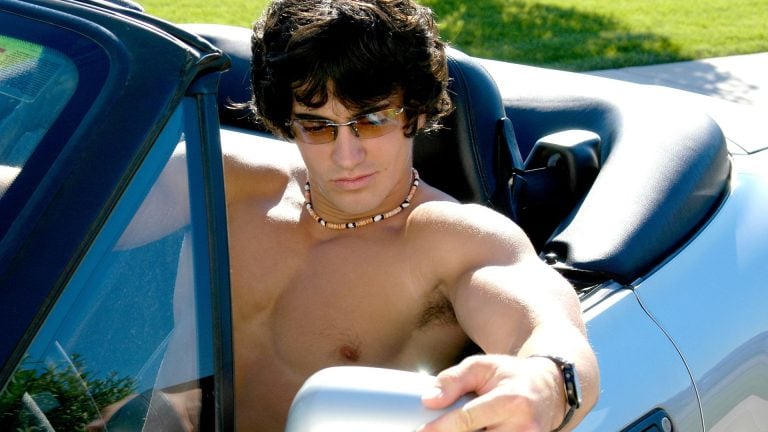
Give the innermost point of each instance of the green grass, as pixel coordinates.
(566, 34)
(598, 34)
(234, 12)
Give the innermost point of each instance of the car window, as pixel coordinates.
(133, 325)
(35, 83)
(50, 77)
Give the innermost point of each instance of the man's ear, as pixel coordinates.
(413, 130)
(422, 121)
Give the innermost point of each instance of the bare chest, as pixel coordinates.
(301, 304)
(347, 299)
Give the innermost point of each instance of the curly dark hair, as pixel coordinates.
(367, 49)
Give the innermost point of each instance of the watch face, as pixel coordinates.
(572, 386)
(570, 379)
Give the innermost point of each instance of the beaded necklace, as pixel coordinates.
(365, 221)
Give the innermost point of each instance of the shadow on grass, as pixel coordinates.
(545, 35)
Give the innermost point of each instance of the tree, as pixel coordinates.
(66, 397)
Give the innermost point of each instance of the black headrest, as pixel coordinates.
(470, 157)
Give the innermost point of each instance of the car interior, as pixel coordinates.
(607, 179)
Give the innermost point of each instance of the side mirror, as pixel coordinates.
(356, 398)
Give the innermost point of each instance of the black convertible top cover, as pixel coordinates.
(664, 165)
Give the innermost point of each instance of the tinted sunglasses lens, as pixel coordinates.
(379, 123)
(312, 132)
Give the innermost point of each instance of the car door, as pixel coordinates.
(113, 285)
(644, 381)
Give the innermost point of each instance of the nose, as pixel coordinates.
(348, 150)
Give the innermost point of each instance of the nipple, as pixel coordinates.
(349, 353)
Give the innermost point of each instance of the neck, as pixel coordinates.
(378, 217)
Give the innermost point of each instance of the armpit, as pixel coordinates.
(437, 311)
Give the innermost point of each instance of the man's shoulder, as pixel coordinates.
(451, 239)
(258, 153)
(260, 167)
(452, 216)
(448, 223)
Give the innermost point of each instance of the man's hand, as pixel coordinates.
(513, 394)
(166, 411)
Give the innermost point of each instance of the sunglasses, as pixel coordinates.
(365, 126)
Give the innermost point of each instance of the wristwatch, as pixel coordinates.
(571, 384)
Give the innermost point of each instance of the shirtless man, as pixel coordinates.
(341, 255)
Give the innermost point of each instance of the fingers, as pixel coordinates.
(490, 412)
(96, 426)
(508, 397)
(100, 424)
(471, 375)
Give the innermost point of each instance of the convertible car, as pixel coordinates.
(651, 201)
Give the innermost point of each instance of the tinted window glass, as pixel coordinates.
(35, 84)
(49, 79)
(132, 328)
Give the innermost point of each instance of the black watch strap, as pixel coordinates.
(571, 386)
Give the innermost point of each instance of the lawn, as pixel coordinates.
(566, 34)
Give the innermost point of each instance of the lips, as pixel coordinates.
(353, 182)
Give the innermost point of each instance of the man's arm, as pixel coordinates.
(514, 307)
(251, 169)
(166, 207)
